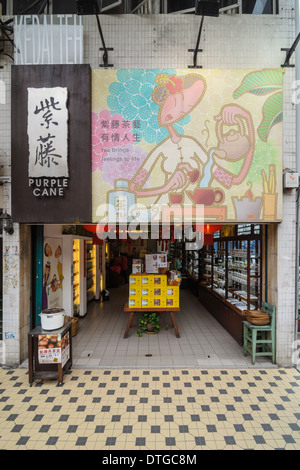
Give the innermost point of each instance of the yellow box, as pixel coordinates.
(172, 291)
(147, 302)
(135, 280)
(134, 302)
(147, 291)
(147, 280)
(135, 291)
(159, 280)
(159, 302)
(172, 302)
(159, 291)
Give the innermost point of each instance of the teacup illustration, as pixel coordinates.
(175, 198)
(207, 197)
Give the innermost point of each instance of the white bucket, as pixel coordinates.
(52, 318)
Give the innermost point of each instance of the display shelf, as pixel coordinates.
(90, 270)
(232, 268)
(192, 264)
(76, 277)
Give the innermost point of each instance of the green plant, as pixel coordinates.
(148, 322)
(261, 83)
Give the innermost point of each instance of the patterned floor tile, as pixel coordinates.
(136, 409)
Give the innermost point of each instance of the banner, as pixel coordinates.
(181, 139)
(52, 273)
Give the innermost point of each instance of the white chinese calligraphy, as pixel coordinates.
(48, 132)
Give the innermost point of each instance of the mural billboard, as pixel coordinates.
(184, 138)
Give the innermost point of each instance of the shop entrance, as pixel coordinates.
(217, 285)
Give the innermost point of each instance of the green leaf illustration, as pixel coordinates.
(272, 114)
(260, 83)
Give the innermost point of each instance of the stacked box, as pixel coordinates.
(172, 302)
(147, 295)
(147, 302)
(159, 291)
(152, 291)
(159, 302)
(135, 280)
(134, 302)
(147, 280)
(159, 296)
(134, 291)
(159, 280)
(147, 291)
(172, 296)
(172, 291)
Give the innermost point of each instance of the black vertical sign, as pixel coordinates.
(52, 200)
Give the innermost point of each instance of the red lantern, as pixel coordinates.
(90, 228)
(98, 228)
(207, 228)
(208, 239)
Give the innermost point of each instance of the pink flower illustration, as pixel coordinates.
(109, 132)
(122, 164)
(174, 84)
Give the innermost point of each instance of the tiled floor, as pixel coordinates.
(153, 409)
(153, 393)
(203, 341)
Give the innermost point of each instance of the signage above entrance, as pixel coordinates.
(48, 39)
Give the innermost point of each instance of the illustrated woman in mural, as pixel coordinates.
(184, 163)
(180, 158)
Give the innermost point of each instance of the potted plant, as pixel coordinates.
(149, 323)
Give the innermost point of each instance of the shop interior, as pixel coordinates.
(215, 286)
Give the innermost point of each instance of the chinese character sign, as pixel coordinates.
(48, 132)
(181, 138)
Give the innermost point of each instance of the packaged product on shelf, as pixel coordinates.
(137, 266)
(174, 278)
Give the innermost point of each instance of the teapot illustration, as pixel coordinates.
(206, 197)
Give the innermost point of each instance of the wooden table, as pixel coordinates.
(160, 310)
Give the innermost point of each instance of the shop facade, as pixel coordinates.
(92, 171)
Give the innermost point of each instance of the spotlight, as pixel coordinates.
(89, 7)
(207, 7)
